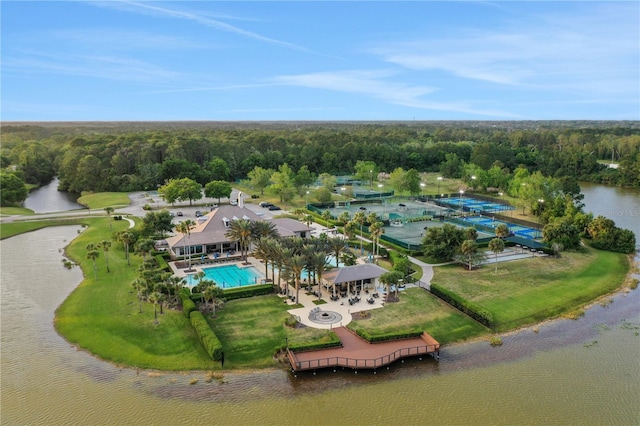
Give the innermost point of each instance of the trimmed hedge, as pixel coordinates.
(248, 291)
(479, 314)
(387, 337)
(303, 347)
(207, 337)
(187, 304)
(162, 263)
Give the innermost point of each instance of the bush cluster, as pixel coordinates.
(479, 314)
(249, 291)
(207, 337)
(188, 305)
(388, 336)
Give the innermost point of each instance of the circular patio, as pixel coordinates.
(325, 317)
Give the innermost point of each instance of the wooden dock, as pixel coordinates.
(357, 353)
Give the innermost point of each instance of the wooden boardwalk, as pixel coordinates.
(357, 353)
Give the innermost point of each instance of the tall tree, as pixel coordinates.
(109, 211)
(240, 231)
(126, 238)
(218, 189)
(93, 254)
(105, 246)
(260, 178)
(468, 249)
(337, 245)
(496, 245)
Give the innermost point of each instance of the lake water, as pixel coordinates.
(583, 372)
(48, 199)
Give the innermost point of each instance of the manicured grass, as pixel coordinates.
(101, 315)
(418, 309)
(528, 291)
(20, 227)
(251, 331)
(100, 200)
(10, 211)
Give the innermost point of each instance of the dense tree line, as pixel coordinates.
(113, 158)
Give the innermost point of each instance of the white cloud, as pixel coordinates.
(200, 18)
(595, 51)
(374, 84)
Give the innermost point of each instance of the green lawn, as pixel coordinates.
(102, 316)
(10, 211)
(20, 227)
(251, 331)
(100, 200)
(418, 309)
(528, 291)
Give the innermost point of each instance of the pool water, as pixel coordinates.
(229, 276)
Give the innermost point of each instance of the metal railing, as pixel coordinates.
(372, 363)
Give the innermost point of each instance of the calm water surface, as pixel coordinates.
(569, 372)
(47, 199)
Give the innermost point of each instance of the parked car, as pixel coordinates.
(233, 202)
(179, 214)
(274, 207)
(198, 213)
(265, 204)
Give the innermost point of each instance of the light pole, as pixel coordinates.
(461, 201)
(540, 205)
(473, 182)
(422, 184)
(439, 180)
(306, 200)
(371, 181)
(380, 191)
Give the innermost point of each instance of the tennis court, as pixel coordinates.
(489, 222)
(474, 205)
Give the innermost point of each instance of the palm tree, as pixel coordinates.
(372, 218)
(326, 216)
(240, 231)
(263, 252)
(336, 245)
(140, 286)
(376, 230)
(126, 238)
(263, 229)
(145, 246)
(468, 249)
(360, 218)
(496, 245)
(502, 230)
(319, 264)
(109, 210)
(308, 220)
(212, 293)
(93, 254)
(105, 245)
(284, 254)
(344, 217)
(185, 229)
(390, 278)
(297, 264)
(154, 298)
(178, 283)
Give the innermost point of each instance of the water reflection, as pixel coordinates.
(47, 199)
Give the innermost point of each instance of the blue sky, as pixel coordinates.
(156, 60)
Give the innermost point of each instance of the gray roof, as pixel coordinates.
(353, 273)
(288, 227)
(211, 228)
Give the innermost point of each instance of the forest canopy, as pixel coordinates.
(142, 156)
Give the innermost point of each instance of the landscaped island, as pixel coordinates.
(103, 316)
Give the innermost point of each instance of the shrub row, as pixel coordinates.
(162, 263)
(302, 347)
(249, 291)
(388, 336)
(207, 337)
(479, 314)
(187, 304)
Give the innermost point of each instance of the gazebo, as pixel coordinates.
(360, 276)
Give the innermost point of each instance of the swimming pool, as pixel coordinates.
(229, 276)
